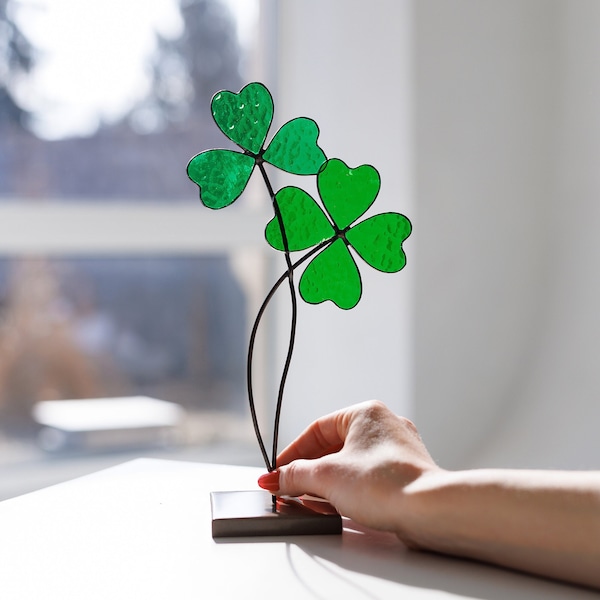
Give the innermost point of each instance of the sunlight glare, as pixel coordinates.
(92, 60)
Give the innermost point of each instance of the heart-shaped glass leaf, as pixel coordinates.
(347, 193)
(378, 241)
(304, 221)
(294, 148)
(221, 175)
(244, 117)
(332, 275)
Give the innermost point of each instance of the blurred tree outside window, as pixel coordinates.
(168, 325)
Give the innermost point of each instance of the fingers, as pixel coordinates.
(328, 434)
(303, 477)
(324, 436)
(289, 504)
(291, 480)
(307, 465)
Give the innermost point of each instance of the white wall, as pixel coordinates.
(554, 420)
(346, 64)
(508, 189)
(483, 117)
(484, 86)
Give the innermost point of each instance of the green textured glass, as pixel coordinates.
(326, 229)
(294, 148)
(221, 175)
(347, 193)
(332, 275)
(378, 241)
(305, 222)
(244, 117)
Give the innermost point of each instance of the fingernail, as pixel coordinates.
(269, 481)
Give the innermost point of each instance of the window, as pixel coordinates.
(114, 280)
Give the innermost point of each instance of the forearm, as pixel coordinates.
(543, 522)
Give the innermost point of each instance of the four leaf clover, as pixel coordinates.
(346, 195)
(245, 118)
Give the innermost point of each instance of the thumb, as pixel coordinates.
(296, 478)
(299, 477)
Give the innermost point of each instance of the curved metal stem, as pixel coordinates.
(271, 465)
(261, 311)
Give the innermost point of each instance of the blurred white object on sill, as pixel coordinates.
(107, 423)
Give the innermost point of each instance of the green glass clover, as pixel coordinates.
(346, 195)
(245, 118)
(328, 231)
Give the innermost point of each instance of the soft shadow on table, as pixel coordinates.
(383, 556)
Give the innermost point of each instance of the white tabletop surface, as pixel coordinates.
(142, 530)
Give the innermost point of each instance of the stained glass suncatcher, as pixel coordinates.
(330, 230)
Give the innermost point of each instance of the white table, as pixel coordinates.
(142, 530)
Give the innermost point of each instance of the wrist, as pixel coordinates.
(426, 505)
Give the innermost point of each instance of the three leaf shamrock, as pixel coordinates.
(345, 193)
(245, 118)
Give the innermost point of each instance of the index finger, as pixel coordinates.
(324, 436)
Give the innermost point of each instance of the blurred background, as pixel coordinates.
(111, 284)
(482, 118)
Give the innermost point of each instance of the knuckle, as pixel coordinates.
(322, 470)
(291, 478)
(375, 408)
(287, 476)
(408, 424)
(306, 476)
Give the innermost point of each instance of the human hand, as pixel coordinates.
(372, 466)
(360, 459)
